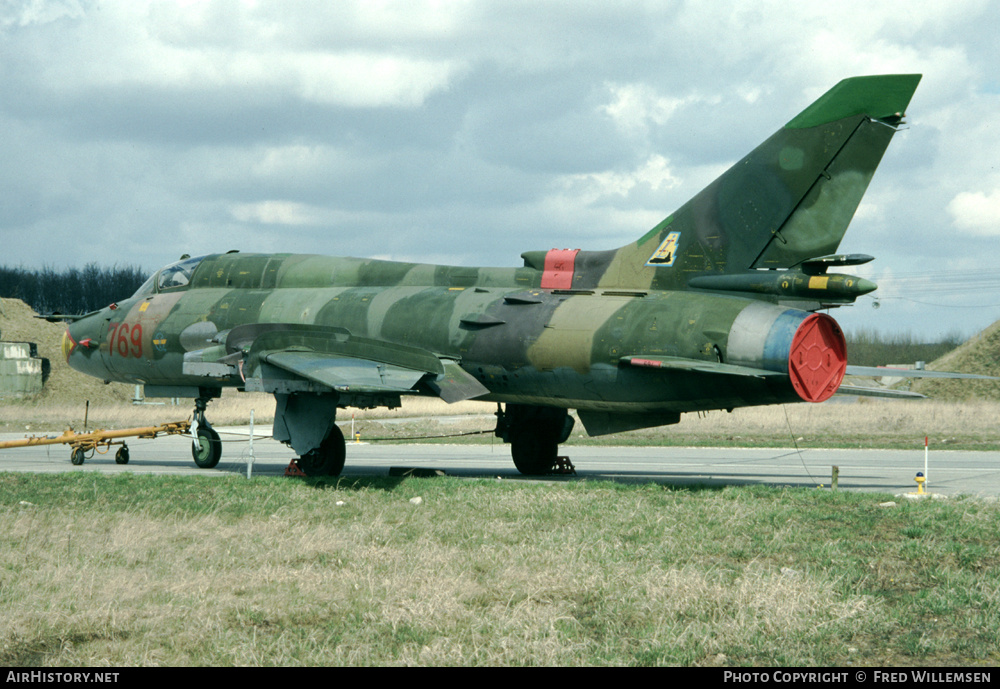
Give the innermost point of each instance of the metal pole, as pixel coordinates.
(250, 460)
(925, 462)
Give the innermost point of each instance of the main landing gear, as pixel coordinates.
(328, 458)
(306, 422)
(534, 434)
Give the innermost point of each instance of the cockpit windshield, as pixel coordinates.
(174, 276)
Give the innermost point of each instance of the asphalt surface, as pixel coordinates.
(950, 472)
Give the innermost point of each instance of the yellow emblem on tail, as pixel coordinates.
(667, 251)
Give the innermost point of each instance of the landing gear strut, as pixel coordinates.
(206, 448)
(534, 434)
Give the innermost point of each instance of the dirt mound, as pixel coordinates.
(63, 385)
(981, 354)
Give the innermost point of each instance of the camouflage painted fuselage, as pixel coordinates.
(524, 344)
(713, 308)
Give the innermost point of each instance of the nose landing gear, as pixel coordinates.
(206, 447)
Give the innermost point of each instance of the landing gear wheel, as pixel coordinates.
(534, 434)
(328, 458)
(208, 450)
(78, 456)
(534, 455)
(121, 457)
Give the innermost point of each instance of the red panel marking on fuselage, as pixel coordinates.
(559, 267)
(817, 359)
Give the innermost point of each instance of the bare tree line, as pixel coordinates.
(71, 290)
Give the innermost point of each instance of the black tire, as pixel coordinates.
(208, 451)
(534, 434)
(534, 455)
(77, 456)
(328, 458)
(121, 457)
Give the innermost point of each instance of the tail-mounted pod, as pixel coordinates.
(809, 347)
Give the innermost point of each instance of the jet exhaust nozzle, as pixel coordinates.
(810, 347)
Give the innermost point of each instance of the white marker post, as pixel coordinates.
(925, 462)
(250, 458)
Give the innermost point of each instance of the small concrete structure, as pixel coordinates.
(20, 369)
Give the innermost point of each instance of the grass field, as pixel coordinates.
(144, 570)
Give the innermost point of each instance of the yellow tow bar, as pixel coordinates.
(82, 443)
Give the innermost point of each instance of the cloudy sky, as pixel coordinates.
(134, 131)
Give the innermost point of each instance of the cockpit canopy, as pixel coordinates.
(175, 276)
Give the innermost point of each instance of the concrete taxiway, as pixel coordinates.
(892, 471)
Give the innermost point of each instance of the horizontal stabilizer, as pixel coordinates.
(861, 391)
(880, 371)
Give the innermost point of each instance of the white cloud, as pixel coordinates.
(350, 79)
(976, 212)
(367, 79)
(637, 107)
(655, 174)
(29, 12)
(291, 161)
(279, 213)
(219, 46)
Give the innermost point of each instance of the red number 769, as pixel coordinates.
(125, 339)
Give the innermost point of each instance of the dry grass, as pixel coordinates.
(232, 409)
(277, 573)
(44, 415)
(980, 354)
(864, 423)
(165, 571)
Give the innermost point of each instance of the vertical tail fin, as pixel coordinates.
(789, 200)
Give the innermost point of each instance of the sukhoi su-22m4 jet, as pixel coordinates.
(716, 307)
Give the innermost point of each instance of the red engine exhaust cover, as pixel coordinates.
(817, 359)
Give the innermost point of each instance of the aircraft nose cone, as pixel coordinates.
(68, 345)
(78, 341)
